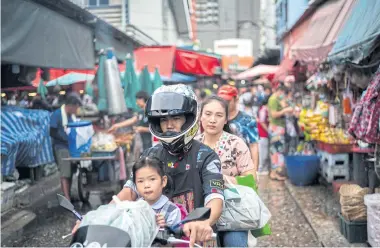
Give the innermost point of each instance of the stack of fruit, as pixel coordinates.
(313, 123)
(335, 136)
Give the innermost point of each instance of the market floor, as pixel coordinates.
(288, 224)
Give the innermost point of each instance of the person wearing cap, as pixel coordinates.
(241, 124)
(58, 126)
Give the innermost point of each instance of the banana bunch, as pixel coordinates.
(334, 136)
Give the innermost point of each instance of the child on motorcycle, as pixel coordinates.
(151, 182)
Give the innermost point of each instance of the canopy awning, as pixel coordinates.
(257, 71)
(37, 36)
(359, 34)
(171, 59)
(284, 69)
(322, 31)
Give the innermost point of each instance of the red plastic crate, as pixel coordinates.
(335, 148)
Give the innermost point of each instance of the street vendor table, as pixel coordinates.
(85, 175)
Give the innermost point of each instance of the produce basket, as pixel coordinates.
(335, 148)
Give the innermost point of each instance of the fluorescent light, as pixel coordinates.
(32, 94)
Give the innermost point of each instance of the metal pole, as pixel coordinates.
(123, 15)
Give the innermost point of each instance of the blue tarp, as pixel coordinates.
(25, 139)
(179, 78)
(357, 38)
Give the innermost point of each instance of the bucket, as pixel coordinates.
(75, 151)
(302, 170)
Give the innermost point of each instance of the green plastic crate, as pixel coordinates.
(353, 231)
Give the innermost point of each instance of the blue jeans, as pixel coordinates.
(234, 239)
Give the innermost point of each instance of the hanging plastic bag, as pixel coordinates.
(135, 218)
(347, 100)
(243, 210)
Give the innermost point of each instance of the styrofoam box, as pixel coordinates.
(7, 195)
(372, 202)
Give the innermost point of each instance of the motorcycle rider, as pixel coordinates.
(195, 169)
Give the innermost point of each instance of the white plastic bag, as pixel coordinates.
(103, 142)
(243, 210)
(136, 218)
(84, 134)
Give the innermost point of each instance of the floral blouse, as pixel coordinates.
(234, 154)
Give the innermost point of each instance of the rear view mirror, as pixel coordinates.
(198, 214)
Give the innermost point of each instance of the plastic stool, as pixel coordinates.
(332, 173)
(341, 159)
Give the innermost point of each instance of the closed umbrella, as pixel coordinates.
(131, 84)
(157, 82)
(99, 78)
(145, 81)
(42, 90)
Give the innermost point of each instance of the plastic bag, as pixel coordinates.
(136, 218)
(103, 142)
(249, 181)
(243, 210)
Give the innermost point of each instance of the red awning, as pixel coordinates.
(161, 57)
(257, 71)
(321, 33)
(169, 59)
(191, 62)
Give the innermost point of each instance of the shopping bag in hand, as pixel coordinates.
(249, 181)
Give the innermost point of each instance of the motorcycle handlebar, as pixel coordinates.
(182, 234)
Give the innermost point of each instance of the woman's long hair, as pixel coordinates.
(224, 103)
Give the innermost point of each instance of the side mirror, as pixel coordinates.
(198, 214)
(66, 204)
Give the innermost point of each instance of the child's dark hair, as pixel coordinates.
(159, 166)
(224, 105)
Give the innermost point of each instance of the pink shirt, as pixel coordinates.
(234, 154)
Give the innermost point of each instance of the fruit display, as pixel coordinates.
(313, 123)
(124, 139)
(335, 136)
(316, 127)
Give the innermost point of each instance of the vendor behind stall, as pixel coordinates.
(58, 124)
(139, 120)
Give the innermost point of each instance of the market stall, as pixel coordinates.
(25, 139)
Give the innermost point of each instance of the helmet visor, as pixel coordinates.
(169, 104)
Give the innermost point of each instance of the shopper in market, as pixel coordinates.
(241, 124)
(291, 133)
(141, 122)
(263, 127)
(58, 125)
(172, 113)
(233, 152)
(277, 115)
